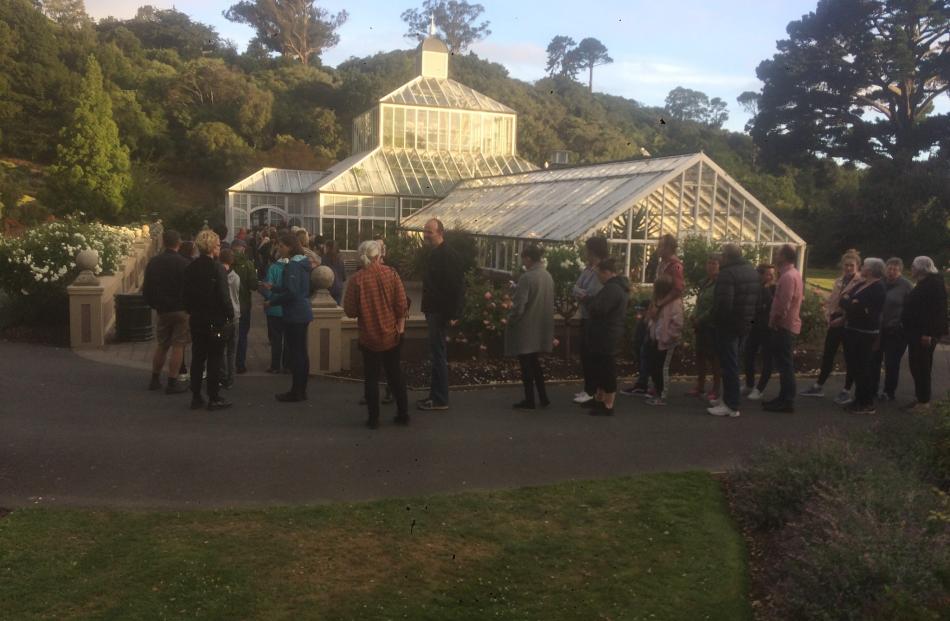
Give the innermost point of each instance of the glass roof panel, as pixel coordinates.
(439, 93)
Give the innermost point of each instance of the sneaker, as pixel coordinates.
(843, 398)
(778, 406)
(387, 399)
(634, 391)
(582, 397)
(694, 392)
(916, 406)
(156, 383)
(288, 397)
(746, 391)
(184, 378)
(175, 387)
(861, 409)
(197, 402)
(815, 391)
(886, 396)
(601, 410)
(593, 403)
(754, 395)
(523, 405)
(659, 401)
(723, 410)
(429, 405)
(714, 402)
(218, 404)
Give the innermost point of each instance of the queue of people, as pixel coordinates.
(746, 321)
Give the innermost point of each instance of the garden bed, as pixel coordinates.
(488, 370)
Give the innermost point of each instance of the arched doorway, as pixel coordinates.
(269, 215)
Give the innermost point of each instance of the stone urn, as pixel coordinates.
(321, 279)
(86, 261)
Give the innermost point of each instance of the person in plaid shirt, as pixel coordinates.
(375, 296)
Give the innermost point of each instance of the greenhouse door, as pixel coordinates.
(268, 215)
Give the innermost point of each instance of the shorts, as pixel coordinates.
(603, 371)
(173, 329)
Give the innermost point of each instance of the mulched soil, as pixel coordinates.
(56, 336)
(477, 370)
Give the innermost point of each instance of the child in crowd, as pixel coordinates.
(664, 334)
(234, 288)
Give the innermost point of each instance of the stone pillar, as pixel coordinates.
(323, 339)
(86, 321)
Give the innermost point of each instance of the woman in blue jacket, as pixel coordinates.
(293, 296)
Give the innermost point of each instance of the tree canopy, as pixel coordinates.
(685, 104)
(857, 80)
(297, 29)
(588, 54)
(557, 51)
(455, 21)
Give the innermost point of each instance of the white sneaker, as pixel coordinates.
(843, 398)
(745, 390)
(582, 397)
(755, 395)
(814, 391)
(715, 403)
(723, 410)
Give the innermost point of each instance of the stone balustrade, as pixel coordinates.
(92, 305)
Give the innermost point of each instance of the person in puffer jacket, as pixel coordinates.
(604, 333)
(293, 296)
(737, 292)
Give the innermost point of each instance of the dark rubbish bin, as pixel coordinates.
(133, 318)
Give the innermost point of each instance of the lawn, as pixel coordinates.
(822, 278)
(650, 547)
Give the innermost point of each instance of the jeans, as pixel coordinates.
(891, 352)
(727, 348)
(834, 338)
(780, 346)
(295, 337)
(586, 369)
(757, 342)
(205, 350)
(230, 353)
(660, 367)
(389, 360)
(244, 326)
(439, 390)
(279, 354)
(921, 361)
(858, 356)
(532, 376)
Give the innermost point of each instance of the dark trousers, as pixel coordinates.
(244, 326)
(586, 369)
(890, 353)
(295, 338)
(727, 348)
(780, 348)
(658, 369)
(755, 344)
(921, 362)
(643, 355)
(205, 350)
(279, 358)
(858, 356)
(604, 367)
(834, 338)
(532, 377)
(439, 389)
(388, 360)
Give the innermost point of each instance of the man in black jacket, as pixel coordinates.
(162, 289)
(924, 321)
(736, 294)
(443, 292)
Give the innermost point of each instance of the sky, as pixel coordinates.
(713, 47)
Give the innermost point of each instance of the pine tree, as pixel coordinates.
(68, 13)
(92, 170)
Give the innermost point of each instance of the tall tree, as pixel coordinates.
(558, 49)
(92, 171)
(685, 104)
(455, 21)
(297, 29)
(588, 54)
(857, 80)
(69, 13)
(717, 113)
(167, 29)
(749, 100)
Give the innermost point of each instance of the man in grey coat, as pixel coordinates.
(530, 326)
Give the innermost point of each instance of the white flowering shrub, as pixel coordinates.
(44, 258)
(565, 265)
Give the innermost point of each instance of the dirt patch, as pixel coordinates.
(5, 512)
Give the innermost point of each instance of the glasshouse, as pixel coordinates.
(632, 203)
(413, 147)
(436, 148)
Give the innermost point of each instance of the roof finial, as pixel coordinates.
(432, 24)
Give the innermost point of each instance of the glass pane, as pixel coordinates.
(421, 128)
(432, 124)
(443, 130)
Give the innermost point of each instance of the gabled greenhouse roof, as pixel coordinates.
(568, 204)
(409, 172)
(279, 181)
(439, 93)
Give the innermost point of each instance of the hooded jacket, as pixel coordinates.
(293, 294)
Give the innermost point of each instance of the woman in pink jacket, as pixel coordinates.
(664, 335)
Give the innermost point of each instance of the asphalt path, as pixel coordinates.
(85, 434)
